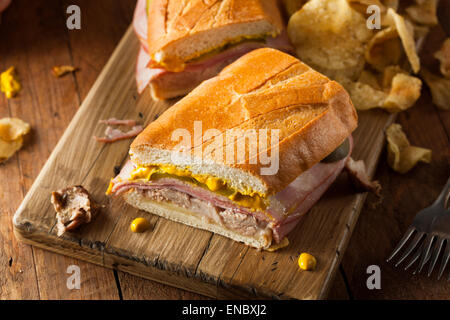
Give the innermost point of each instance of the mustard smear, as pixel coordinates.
(9, 83)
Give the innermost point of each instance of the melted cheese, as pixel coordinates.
(248, 199)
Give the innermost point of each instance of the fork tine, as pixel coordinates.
(416, 257)
(413, 259)
(426, 260)
(401, 243)
(435, 255)
(411, 247)
(445, 259)
(426, 251)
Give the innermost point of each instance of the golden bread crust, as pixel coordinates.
(173, 21)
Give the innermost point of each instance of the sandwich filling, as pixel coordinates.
(210, 199)
(176, 64)
(249, 199)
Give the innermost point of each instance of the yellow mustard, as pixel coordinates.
(9, 83)
(139, 225)
(110, 186)
(307, 262)
(214, 184)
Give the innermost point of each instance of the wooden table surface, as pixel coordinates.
(34, 38)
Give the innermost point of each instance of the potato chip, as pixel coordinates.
(424, 12)
(443, 56)
(8, 148)
(330, 36)
(420, 31)
(404, 93)
(440, 89)
(369, 78)
(12, 131)
(292, 6)
(388, 75)
(363, 96)
(406, 32)
(402, 157)
(391, 4)
(362, 5)
(13, 128)
(384, 49)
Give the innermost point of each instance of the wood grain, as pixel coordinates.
(48, 104)
(173, 253)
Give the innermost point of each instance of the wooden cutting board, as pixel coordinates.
(169, 252)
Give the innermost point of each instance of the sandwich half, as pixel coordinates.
(186, 42)
(240, 194)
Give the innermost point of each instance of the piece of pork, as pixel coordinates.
(74, 207)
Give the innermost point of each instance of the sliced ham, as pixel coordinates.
(359, 177)
(118, 122)
(140, 22)
(286, 207)
(144, 74)
(113, 135)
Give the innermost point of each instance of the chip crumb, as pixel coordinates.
(9, 83)
(59, 71)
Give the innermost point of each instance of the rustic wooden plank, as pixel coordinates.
(173, 253)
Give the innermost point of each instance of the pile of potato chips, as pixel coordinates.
(375, 63)
(12, 132)
(339, 39)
